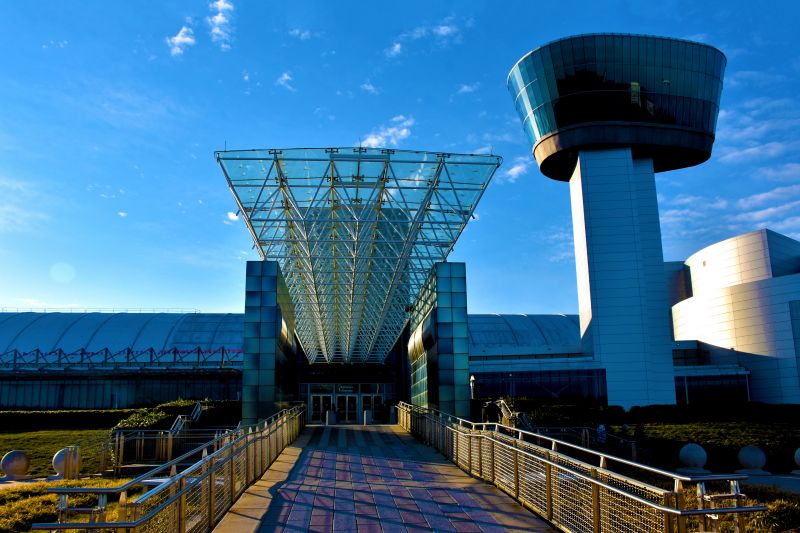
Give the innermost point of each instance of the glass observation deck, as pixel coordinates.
(356, 232)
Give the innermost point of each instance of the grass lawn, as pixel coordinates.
(29, 503)
(42, 445)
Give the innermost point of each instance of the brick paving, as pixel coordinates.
(371, 479)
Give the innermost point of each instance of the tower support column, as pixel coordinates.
(262, 323)
(624, 313)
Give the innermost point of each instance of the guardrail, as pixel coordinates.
(571, 493)
(105, 359)
(195, 499)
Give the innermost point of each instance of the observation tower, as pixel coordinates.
(605, 112)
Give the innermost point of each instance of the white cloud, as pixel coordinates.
(483, 150)
(764, 197)
(122, 214)
(443, 33)
(220, 23)
(233, 217)
(445, 30)
(393, 51)
(785, 172)
(467, 88)
(245, 76)
(303, 35)
(285, 81)
(760, 151)
(766, 213)
(520, 167)
(180, 41)
(15, 212)
(389, 135)
(368, 87)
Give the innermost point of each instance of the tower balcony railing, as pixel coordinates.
(576, 488)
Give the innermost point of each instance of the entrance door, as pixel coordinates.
(320, 404)
(346, 406)
(378, 410)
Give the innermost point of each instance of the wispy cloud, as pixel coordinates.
(369, 87)
(467, 88)
(753, 78)
(122, 214)
(230, 218)
(762, 198)
(784, 172)
(390, 134)
(220, 23)
(393, 51)
(767, 213)
(442, 34)
(15, 212)
(301, 34)
(180, 41)
(759, 151)
(520, 167)
(285, 81)
(55, 44)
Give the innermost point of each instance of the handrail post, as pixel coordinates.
(740, 521)
(182, 505)
(679, 505)
(231, 483)
(701, 502)
(548, 483)
(212, 492)
(480, 455)
(516, 472)
(595, 503)
(469, 451)
(668, 502)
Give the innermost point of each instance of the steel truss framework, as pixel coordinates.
(356, 232)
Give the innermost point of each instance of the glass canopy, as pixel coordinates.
(356, 232)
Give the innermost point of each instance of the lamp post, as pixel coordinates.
(472, 387)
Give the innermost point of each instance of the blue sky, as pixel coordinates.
(110, 196)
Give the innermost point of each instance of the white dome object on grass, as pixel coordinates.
(693, 457)
(60, 461)
(796, 461)
(752, 458)
(15, 464)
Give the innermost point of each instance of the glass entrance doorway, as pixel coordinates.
(374, 404)
(346, 408)
(320, 404)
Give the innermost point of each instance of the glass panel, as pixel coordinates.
(395, 212)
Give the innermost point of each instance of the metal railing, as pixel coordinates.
(17, 360)
(195, 499)
(545, 475)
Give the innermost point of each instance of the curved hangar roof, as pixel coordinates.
(119, 331)
(488, 334)
(523, 334)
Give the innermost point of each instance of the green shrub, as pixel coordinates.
(780, 516)
(146, 419)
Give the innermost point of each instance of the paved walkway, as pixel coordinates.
(371, 479)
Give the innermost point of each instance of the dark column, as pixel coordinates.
(262, 322)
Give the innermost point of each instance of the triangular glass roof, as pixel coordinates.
(356, 232)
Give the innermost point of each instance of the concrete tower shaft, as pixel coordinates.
(605, 112)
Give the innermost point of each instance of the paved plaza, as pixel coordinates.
(371, 479)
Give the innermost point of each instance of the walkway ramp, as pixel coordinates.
(371, 479)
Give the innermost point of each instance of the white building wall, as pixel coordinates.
(621, 286)
(737, 260)
(754, 319)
